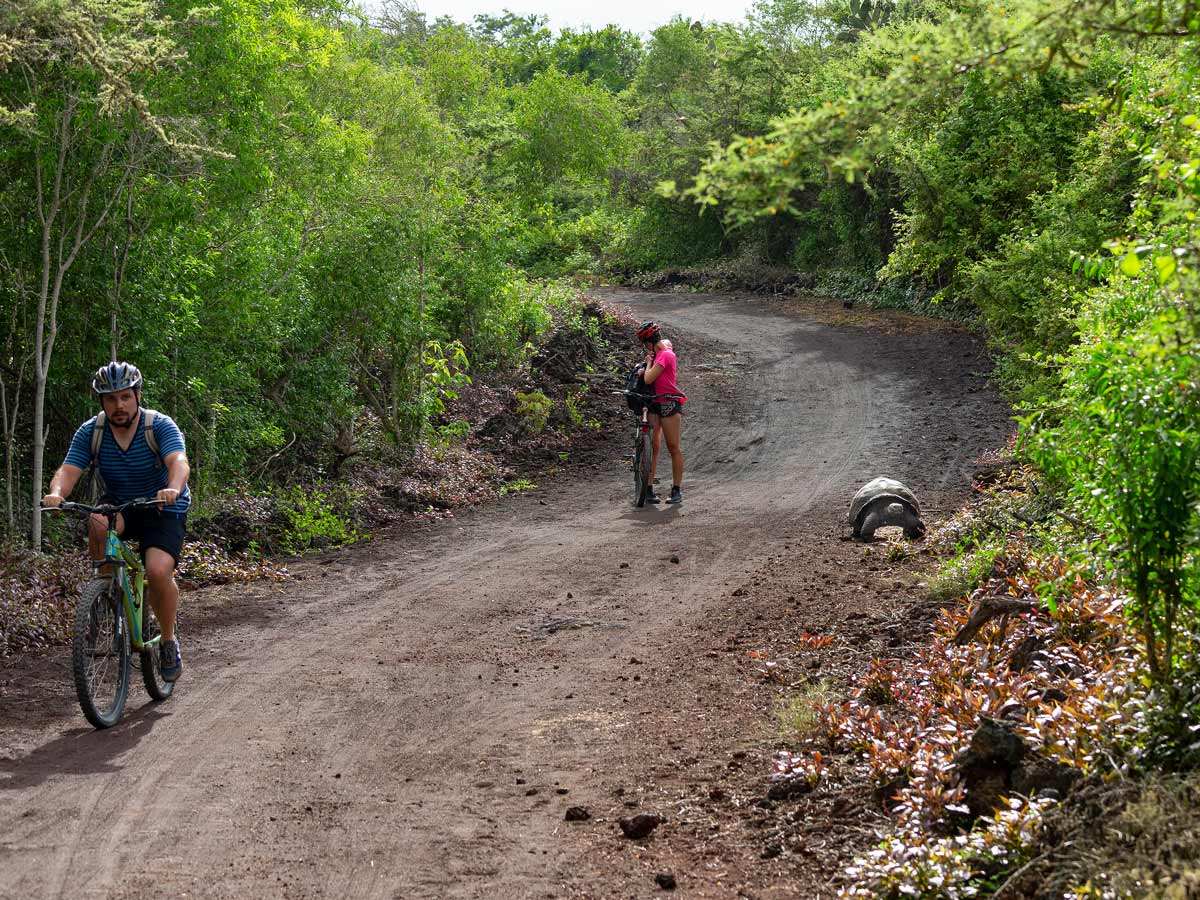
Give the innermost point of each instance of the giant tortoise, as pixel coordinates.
(885, 501)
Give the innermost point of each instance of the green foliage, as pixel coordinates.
(533, 409)
(565, 129)
(964, 572)
(314, 520)
(517, 485)
(609, 56)
(574, 402)
(799, 716)
(1128, 451)
(517, 317)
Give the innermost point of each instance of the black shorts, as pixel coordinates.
(152, 528)
(666, 408)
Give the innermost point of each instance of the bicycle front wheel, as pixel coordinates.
(642, 476)
(100, 654)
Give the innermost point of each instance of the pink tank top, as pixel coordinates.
(665, 383)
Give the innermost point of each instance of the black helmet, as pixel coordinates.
(116, 376)
(648, 331)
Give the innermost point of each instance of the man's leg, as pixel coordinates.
(97, 527)
(97, 533)
(163, 591)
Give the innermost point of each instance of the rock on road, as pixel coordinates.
(412, 717)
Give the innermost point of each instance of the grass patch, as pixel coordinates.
(798, 717)
(965, 571)
(516, 486)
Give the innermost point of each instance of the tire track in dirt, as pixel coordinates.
(413, 717)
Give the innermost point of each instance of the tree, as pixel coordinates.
(79, 126)
(609, 56)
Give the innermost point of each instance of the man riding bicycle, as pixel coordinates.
(138, 453)
(666, 411)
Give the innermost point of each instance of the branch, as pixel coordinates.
(274, 455)
(989, 608)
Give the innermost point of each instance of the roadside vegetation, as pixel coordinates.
(330, 240)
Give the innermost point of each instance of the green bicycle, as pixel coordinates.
(111, 617)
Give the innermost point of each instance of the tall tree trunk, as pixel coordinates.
(14, 365)
(61, 242)
(10, 520)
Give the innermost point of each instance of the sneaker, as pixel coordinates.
(170, 660)
(676, 495)
(652, 497)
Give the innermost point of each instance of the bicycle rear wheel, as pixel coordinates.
(642, 476)
(156, 687)
(100, 654)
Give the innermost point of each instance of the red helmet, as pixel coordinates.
(648, 331)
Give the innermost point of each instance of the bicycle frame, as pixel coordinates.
(133, 590)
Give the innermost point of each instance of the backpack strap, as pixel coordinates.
(148, 417)
(97, 436)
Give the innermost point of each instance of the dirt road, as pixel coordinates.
(413, 718)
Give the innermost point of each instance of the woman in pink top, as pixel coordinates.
(666, 411)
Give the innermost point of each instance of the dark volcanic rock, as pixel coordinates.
(639, 826)
(788, 788)
(998, 764)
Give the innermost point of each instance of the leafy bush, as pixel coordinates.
(1128, 453)
(912, 743)
(516, 485)
(37, 598)
(965, 571)
(314, 520)
(574, 401)
(518, 316)
(662, 233)
(920, 865)
(533, 409)
(940, 693)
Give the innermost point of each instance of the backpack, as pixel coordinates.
(635, 382)
(148, 417)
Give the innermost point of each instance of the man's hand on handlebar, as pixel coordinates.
(52, 501)
(167, 496)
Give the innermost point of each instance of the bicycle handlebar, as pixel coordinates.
(104, 509)
(642, 396)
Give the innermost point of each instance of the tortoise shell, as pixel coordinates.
(879, 489)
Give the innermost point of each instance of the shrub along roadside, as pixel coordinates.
(997, 750)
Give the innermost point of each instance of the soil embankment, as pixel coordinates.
(412, 717)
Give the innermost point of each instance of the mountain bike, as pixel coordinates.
(112, 619)
(643, 449)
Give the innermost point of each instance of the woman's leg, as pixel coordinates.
(656, 445)
(670, 427)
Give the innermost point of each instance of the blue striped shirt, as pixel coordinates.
(131, 474)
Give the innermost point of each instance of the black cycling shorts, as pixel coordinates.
(665, 408)
(152, 528)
